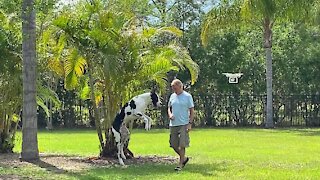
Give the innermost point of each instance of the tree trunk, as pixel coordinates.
(49, 118)
(49, 124)
(49, 105)
(164, 109)
(268, 45)
(110, 108)
(110, 149)
(95, 109)
(29, 127)
(7, 133)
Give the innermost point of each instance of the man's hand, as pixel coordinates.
(189, 127)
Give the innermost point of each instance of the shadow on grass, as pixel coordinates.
(151, 171)
(303, 131)
(152, 131)
(47, 166)
(306, 132)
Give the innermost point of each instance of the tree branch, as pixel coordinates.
(172, 6)
(156, 4)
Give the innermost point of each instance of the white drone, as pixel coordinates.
(233, 77)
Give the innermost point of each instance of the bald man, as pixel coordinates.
(181, 113)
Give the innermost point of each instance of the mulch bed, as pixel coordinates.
(64, 163)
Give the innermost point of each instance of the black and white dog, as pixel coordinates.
(134, 109)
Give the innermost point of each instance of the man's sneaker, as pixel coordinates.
(185, 162)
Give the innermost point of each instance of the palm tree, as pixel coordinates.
(121, 56)
(29, 128)
(261, 13)
(10, 82)
(10, 104)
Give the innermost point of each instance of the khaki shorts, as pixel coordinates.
(179, 136)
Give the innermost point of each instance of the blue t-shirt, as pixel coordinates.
(180, 105)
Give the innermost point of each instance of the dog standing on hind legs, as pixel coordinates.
(132, 110)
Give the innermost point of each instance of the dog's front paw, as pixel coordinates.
(121, 162)
(146, 126)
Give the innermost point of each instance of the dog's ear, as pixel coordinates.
(153, 90)
(187, 85)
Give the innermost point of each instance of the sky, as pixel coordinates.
(69, 2)
(206, 8)
(206, 4)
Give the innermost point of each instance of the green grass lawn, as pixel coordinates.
(215, 154)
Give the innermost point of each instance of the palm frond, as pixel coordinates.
(46, 93)
(246, 10)
(41, 103)
(56, 66)
(160, 61)
(156, 70)
(74, 67)
(83, 88)
(225, 16)
(149, 32)
(172, 30)
(55, 51)
(183, 59)
(85, 93)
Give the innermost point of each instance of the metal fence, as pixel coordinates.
(217, 110)
(250, 110)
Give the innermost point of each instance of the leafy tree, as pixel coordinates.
(180, 14)
(10, 89)
(295, 49)
(263, 13)
(122, 57)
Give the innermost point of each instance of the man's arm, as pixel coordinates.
(189, 125)
(170, 113)
(191, 115)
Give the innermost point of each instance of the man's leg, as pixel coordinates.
(181, 152)
(174, 144)
(182, 159)
(174, 140)
(176, 149)
(182, 156)
(183, 143)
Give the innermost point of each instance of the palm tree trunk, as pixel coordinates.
(269, 120)
(268, 45)
(49, 102)
(29, 128)
(110, 109)
(164, 111)
(95, 109)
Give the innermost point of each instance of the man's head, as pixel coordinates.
(177, 86)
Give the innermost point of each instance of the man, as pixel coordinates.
(181, 113)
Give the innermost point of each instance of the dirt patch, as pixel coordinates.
(11, 160)
(139, 160)
(63, 163)
(9, 177)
